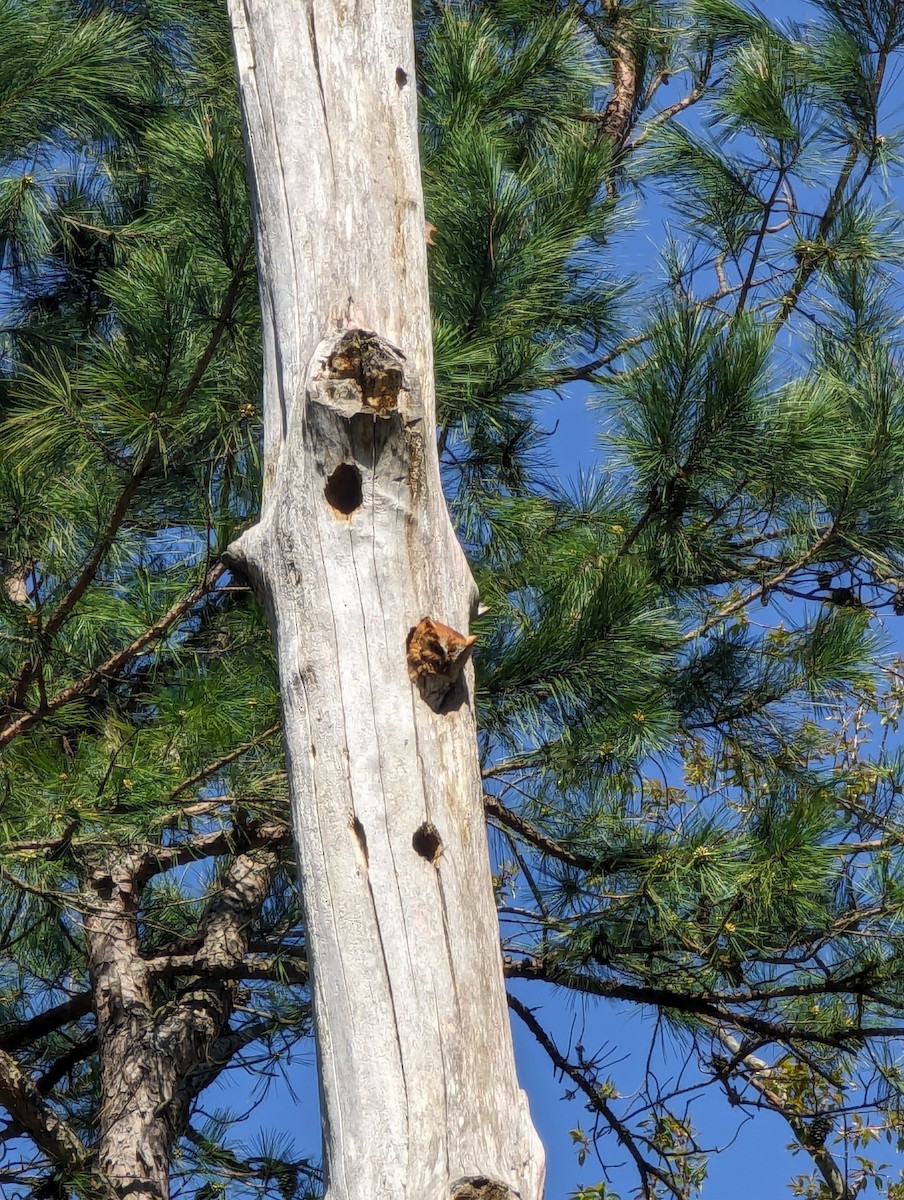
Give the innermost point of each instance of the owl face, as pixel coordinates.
(437, 655)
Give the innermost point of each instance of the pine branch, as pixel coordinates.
(231, 1044)
(278, 949)
(755, 253)
(217, 765)
(129, 492)
(773, 582)
(807, 267)
(255, 966)
(616, 118)
(79, 1052)
(586, 373)
(157, 860)
(116, 661)
(714, 1008)
(202, 808)
(213, 845)
(22, 1099)
(99, 229)
(530, 833)
(28, 1031)
(763, 1078)
(227, 309)
(686, 101)
(30, 667)
(241, 1168)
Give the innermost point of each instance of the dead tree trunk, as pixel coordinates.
(366, 586)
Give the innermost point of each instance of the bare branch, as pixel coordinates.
(596, 1103)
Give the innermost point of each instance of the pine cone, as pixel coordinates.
(818, 1130)
(288, 1184)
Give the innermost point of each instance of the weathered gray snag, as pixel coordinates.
(353, 551)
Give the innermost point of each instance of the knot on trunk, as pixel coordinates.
(478, 1187)
(374, 368)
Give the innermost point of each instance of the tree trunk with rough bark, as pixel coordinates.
(369, 597)
(155, 1059)
(133, 1141)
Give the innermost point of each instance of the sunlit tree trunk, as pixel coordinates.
(369, 597)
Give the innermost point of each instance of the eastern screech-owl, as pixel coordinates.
(436, 657)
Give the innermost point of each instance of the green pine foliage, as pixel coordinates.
(512, 184)
(140, 697)
(687, 682)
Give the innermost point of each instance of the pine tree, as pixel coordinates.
(687, 679)
(687, 691)
(151, 940)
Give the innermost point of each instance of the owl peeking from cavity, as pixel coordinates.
(437, 655)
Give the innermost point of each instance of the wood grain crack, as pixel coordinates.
(315, 56)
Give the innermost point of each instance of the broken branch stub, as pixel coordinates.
(376, 368)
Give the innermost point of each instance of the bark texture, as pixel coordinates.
(369, 597)
(154, 1059)
(133, 1142)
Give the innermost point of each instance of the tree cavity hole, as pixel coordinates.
(427, 842)
(343, 489)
